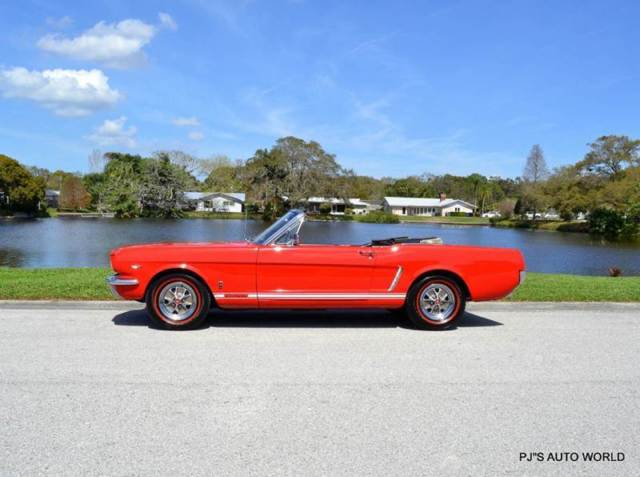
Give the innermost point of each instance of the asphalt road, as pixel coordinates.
(92, 389)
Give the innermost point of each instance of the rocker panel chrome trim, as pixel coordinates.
(311, 296)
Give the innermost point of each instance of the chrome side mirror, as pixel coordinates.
(296, 239)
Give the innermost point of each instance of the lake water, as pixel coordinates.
(77, 242)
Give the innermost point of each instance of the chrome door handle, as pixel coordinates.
(366, 253)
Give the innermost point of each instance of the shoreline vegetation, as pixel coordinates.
(380, 217)
(602, 189)
(89, 284)
(574, 226)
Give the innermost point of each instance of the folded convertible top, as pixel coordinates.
(398, 240)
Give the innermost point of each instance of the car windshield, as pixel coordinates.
(279, 226)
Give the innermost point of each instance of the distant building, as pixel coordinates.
(492, 214)
(339, 206)
(550, 214)
(427, 207)
(52, 198)
(362, 206)
(214, 201)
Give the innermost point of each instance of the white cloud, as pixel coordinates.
(112, 132)
(192, 121)
(59, 23)
(65, 92)
(167, 21)
(113, 44)
(196, 136)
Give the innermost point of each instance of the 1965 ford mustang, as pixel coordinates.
(181, 282)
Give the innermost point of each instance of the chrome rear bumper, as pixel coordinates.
(115, 280)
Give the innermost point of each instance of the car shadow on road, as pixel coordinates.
(302, 319)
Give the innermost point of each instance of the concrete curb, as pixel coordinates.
(523, 306)
(68, 304)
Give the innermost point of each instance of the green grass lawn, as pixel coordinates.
(54, 284)
(554, 225)
(191, 214)
(447, 220)
(89, 284)
(552, 287)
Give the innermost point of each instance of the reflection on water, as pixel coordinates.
(75, 242)
(11, 257)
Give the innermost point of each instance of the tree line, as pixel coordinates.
(605, 184)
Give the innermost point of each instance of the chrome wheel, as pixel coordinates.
(437, 302)
(178, 301)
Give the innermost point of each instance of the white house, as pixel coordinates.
(426, 207)
(339, 206)
(215, 201)
(362, 206)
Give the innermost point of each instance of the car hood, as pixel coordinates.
(165, 246)
(121, 258)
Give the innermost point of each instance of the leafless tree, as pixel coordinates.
(96, 161)
(534, 174)
(189, 163)
(535, 170)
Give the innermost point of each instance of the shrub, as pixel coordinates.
(378, 217)
(325, 208)
(615, 272)
(252, 208)
(505, 207)
(606, 222)
(566, 215)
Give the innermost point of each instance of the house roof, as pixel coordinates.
(358, 203)
(424, 202)
(237, 196)
(334, 200)
(330, 200)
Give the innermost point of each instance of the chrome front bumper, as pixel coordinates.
(114, 281)
(523, 275)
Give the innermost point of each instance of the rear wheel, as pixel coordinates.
(435, 302)
(178, 301)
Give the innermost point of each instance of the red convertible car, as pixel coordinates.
(181, 282)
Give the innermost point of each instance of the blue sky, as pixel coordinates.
(391, 88)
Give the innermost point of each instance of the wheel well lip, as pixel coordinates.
(448, 273)
(195, 273)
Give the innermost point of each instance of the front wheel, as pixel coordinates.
(178, 301)
(435, 302)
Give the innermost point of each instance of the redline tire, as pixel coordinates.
(158, 310)
(437, 313)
